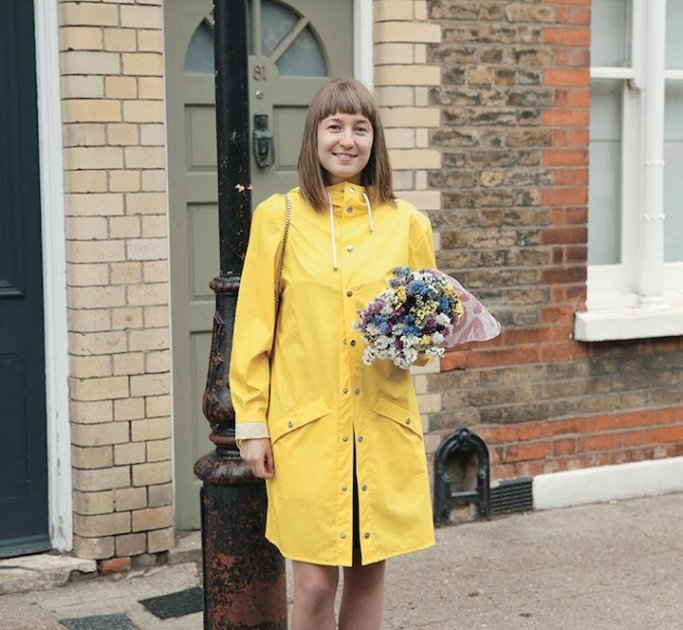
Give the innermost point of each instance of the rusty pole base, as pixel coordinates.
(244, 574)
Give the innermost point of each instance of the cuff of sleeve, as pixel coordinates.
(250, 430)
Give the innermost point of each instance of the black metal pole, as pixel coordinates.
(244, 577)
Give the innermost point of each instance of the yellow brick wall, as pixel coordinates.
(117, 266)
(402, 82)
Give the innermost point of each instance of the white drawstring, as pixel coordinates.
(367, 203)
(332, 236)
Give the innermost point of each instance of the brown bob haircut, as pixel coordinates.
(346, 96)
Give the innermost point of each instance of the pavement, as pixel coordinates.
(608, 566)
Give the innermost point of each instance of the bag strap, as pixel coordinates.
(281, 259)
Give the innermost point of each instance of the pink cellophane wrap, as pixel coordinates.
(476, 323)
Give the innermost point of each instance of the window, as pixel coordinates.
(635, 225)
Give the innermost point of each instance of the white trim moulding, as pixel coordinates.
(54, 274)
(363, 22)
(608, 483)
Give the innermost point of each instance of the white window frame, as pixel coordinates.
(642, 296)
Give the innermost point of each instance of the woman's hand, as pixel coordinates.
(258, 453)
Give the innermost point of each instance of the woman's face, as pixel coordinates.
(344, 146)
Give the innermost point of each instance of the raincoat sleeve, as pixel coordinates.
(254, 322)
(421, 256)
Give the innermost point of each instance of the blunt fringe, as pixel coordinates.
(346, 96)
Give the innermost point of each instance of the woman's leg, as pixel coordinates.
(314, 589)
(362, 604)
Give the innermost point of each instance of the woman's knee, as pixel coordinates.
(315, 584)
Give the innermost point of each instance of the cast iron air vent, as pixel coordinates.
(512, 495)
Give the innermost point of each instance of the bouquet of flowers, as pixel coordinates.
(421, 312)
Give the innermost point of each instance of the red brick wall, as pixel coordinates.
(515, 99)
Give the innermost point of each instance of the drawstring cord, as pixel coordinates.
(333, 237)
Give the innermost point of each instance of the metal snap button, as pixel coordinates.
(345, 438)
(349, 248)
(349, 293)
(353, 342)
(364, 487)
(349, 210)
(360, 438)
(290, 424)
(343, 535)
(366, 535)
(345, 390)
(356, 391)
(344, 488)
(407, 420)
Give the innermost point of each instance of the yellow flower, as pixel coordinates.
(401, 294)
(426, 340)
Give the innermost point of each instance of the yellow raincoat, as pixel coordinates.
(314, 396)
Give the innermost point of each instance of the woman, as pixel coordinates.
(339, 443)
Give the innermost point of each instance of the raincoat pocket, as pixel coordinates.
(409, 420)
(296, 418)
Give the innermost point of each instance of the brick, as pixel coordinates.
(93, 548)
(96, 297)
(607, 441)
(157, 406)
(101, 525)
(112, 566)
(145, 64)
(97, 343)
(407, 32)
(88, 63)
(88, 321)
(529, 451)
(152, 135)
(126, 499)
(150, 40)
(87, 275)
(99, 434)
(150, 339)
(160, 495)
(151, 88)
(141, 17)
(125, 227)
(149, 385)
(395, 96)
(161, 540)
(144, 157)
(91, 412)
(93, 158)
(92, 457)
(132, 453)
(126, 273)
(415, 158)
(400, 138)
(120, 87)
(566, 37)
(407, 75)
(83, 367)
(411, 117)
(85, 181)
(143, 111)
(393, 53)
(129, 363)
(93, 502)
(123, 134)
(86, 228)
(159, 361)
(131, 544)
(150, 429)
(101, 479)
(159, 450)
(80, 38)
(126, 318)
(146, 249)
(385, 10)
(155, 271)
(104, 204)
(87, 13)
(154, 226)
(154, 180)
(119, 39)
(125, 181)
(152, 473)
(146, 203)
(147, 294)
(129, 408)
(79, 86)
(152, 518)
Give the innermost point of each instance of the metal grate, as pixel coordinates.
(513, 495)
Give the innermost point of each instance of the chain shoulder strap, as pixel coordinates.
(281, 259)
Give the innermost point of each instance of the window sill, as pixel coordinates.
(628, 323)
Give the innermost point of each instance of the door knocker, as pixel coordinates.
(264, 147)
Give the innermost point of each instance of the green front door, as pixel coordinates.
(295, 48)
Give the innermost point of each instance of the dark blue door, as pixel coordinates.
(23, 452)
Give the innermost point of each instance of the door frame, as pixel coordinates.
(50, 152)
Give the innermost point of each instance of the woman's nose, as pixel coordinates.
(346, 137)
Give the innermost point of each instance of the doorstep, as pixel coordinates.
(41, 571)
